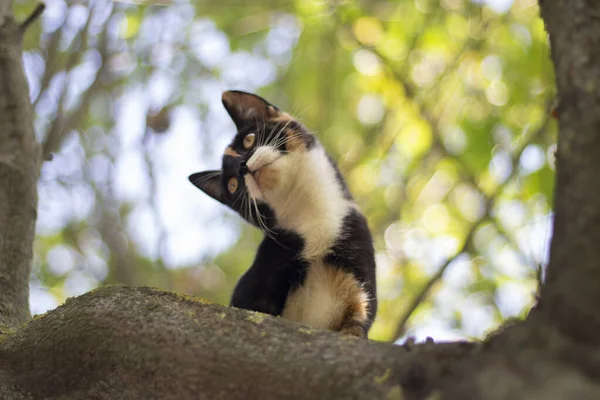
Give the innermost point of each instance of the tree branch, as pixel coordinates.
(144, 343)
(19, 170)
(34, 16)
(63, 122)
(51, 50)
(5, 10)
(570, 296)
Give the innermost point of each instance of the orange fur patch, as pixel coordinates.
(282, 117)
(353, 295)
(329, 298)
(266, 178)
(230, 152)
(294, 141)
(274, 114)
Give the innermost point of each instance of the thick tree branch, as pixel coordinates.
(570, 296)
(142, 343)
(19, 170)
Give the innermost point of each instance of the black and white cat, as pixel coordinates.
(316, 263)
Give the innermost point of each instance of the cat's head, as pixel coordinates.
(260, 165)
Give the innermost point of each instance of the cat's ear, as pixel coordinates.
(246, 108)
(210, 183)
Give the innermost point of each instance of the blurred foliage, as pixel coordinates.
(438, 112)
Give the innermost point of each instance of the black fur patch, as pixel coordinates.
(340, 178)
(276, 270)
(353, 252)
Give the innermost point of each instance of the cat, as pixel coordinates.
(316, 263)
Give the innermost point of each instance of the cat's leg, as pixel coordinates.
(259, 291)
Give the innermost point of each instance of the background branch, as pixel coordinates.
(65, 122)
(489, 204)
(465, 175)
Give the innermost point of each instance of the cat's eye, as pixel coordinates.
(249, 140)
(232, 185)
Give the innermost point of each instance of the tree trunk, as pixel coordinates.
(570, 296)
(141, 343)
(19, 170)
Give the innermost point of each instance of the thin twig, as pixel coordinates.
(468, 177)
(64, 124)
(511, 242)
(39, 9)
(51, 48)
(418, 299)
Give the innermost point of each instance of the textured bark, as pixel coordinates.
(141, 343)
(19, 170)
(570, 296)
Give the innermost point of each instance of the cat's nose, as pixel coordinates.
(243, 168)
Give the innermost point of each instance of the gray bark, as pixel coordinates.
(141, 343)
(19, 170)
(570, 296)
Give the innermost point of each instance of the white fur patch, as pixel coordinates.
(263, 155)
(252, 187)
(308, 198)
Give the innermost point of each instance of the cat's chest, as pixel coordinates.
(319, 230)
(313, 206)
